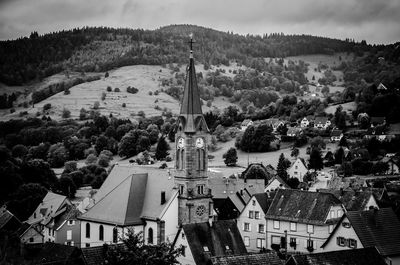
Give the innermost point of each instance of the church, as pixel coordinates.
(174, 205)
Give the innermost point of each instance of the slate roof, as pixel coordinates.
(377, 228)
(8, 220)
(265, 199)
(135, 197)
(301, 206)
(361, 256)
(269, 258)
(221, 239)
(52, 253)
(352, 200)
(96, 255)
(224, 187)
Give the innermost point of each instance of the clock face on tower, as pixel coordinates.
(199, 142)
(200, 210)
(181, 143)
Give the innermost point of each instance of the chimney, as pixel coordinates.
(163, 197)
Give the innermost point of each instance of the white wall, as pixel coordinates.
(298, 172)
(342, 231)
(187, 259)
(275, 184)
(170, 216)
(253, 234)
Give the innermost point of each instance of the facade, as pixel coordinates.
(378, 228)
(29, 234)
(251, 221)
(68, 229)
(298, 169)
(336, 135)
(305, 122)
(307, 217)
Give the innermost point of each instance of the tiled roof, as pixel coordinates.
(361, 256)
(225, 208)
(377, 228)
(269, 258)
(322, 120)
(5, 217)
(135, 197)
(265, 199)
(268, 171)
(52, 253)
(301, 206)
(224, 187)
(280, 180)
(221, 239)
(352, 200)
(96, 255)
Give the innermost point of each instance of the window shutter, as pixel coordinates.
(305, 243)
(338, 241)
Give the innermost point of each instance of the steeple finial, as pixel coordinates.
(191, 45)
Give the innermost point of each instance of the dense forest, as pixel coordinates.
(101, 49)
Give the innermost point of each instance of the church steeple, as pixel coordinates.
(190, 113)
(191, 163)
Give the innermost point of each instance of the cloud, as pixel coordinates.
(374, 20)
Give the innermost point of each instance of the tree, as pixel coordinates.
(282, 167)
(339, 156)
(19, 150)
(67, 186)
(293, 183)
(230, 157)
(295, 152)
(318, 143)
(66, 113)
(91, 159)
(136, 252)
(162, 149)
(343, 142)
(315, 161)
(38, 171)
(57, 155)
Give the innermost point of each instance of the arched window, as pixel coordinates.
(201, 160)
(101, 233)
(178, 158)
(87, 230)
(150, 236)
(115, 235)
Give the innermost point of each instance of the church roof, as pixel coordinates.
(135, 197)
(191, 97)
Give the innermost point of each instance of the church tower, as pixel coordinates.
(191, 139)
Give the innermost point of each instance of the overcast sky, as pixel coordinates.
(376, 21)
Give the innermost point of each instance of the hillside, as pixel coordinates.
(101, 49)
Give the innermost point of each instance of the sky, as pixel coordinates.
(376, 21)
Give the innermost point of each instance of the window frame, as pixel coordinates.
(310, 229)
(295, 226)
(250, 214)
(101, 233)
(246, 227)
(69, 234)
(262, 231)
(257, 215)
(276, 224)
(260, 243)
(246, 241)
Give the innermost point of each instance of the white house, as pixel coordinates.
(305, 122)
(304, 218)
(371, 228)
(245, 124)
(298, 169)
(145, 202)
(336, 135)
(251, 221)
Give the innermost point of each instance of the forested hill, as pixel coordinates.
(101, 49)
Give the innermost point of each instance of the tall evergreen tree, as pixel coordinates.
(162, 149)
(315, 161)
(282, 167)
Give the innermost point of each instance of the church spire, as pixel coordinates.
(191, 104)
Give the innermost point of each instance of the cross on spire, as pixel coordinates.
(191, 44)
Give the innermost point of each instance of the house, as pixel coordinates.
(393, 165)
(294, 131)
(274, 123)
(275, 183)
(147, 202)
(298, 169)
(245, 124)
(8, 221)
(306, 121)
(354, 200)
(52, 206)
(336, 135)
(202, 241)
(30, 234)
(304, 218)
(68, 228)
(268, 258)
(376, 121)
(251, 221)
(381, 87)
(378, 228)
(366, 256)
(258, 171)
(321, 123)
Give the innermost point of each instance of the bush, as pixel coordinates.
(96, 105)
(109, 89)
(124, 105)
(106, 75)
(117, 89)
(150, 93)
(46, 106)
(66, 113)
(132, 90)
(103, 96)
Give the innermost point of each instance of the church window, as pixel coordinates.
(181, 188)
(115, 235)
(180, 158)
(201, 163)
(87, 230)
(150, 236)
(200, 189)
(101, 233)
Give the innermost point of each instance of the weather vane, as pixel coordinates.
(191, 41)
